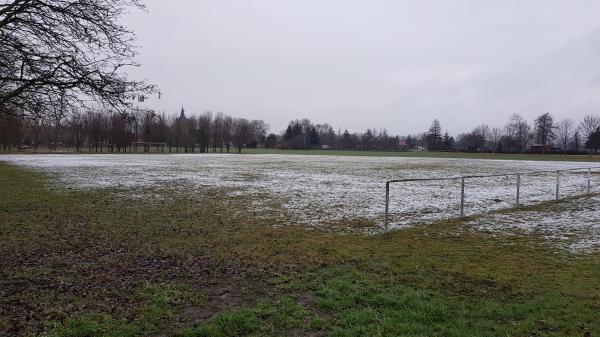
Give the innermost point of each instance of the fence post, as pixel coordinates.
(462, 197)
(589, 190)
(518, 187)
(557, 184)
(387, 203)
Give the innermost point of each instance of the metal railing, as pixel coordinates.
(462, 179)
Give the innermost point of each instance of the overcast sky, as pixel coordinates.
(373, 64)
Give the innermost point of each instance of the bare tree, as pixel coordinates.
(259, 130)
(242, 133)
(228, 126)
(35, 124)
(95, 125)
(565, 131)
(66, 50)
(119, 134)
(217, 133)
(11, 130)
(484, 131)
(191, 127)
(545, 130)
(205, 123)
(76, 129)
(588, 125)
(495, 136)
(56, 115)
(517, 132)
(478, 137)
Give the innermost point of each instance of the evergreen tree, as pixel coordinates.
(410, 142)
(448, 141)
(288, 134)
(271, 141)
(312, 138)
(297, 129)
(593, 141)
(367, 140)
(347, 140)
(330, 138)
(434, 136)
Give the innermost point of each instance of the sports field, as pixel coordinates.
(281, 245)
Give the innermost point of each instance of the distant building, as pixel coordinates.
(539, 148)
(182, 114)
(402, 145)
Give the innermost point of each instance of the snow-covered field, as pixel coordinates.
(573, 225)
(320, 189)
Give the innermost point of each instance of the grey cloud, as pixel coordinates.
(358, 64)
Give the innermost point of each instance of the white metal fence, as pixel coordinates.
(517, 184)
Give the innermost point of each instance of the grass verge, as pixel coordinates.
(357, 153)
(433, 154)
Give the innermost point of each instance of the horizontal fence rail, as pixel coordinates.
(462, 179)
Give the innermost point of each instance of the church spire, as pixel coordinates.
(182, 115)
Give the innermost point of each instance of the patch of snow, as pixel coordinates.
(574, 224)
(317, 189)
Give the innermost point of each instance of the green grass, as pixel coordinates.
(98, 264)
(427, 154)
(156, 308)
(264, 319)
(352, 302)
(95, 324)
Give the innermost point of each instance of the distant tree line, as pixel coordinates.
(304, 134)
(101, 131)
(140, 130)
(519, 136)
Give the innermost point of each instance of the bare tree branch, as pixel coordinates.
(73, 50)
